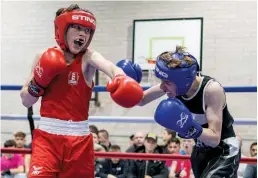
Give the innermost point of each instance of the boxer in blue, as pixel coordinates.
(196, 108)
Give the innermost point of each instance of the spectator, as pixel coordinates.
(12, 165)
(251, 171)
(242, 166)
(138, 141)
(93, 129)
(179, 168)
(20, 139)
(253, 149)
(167, 135)
(187, 145)
(148, 168)
(97, 161)
(114, 167)
(104, 139)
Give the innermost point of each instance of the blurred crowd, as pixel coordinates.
(17, 165)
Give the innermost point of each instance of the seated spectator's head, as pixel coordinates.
(115, 148)
(103, 136)
(20, 139)
(188, 145)
(9, 144)
(168, 135)
(93, 129)
(138, 139)
(174, 146)
(253, 149)
(150, 142)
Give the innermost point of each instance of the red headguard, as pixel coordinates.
(61, 22)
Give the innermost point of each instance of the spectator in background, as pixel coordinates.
(97, 161)
(167, 135)
(179, 168)
(253, 149)
(187, 145)
(138, 141)
(114, 167)
(93, 129)
(20, 139)
(12, 165)
(251, 169)
(148, 168)
(104, 139)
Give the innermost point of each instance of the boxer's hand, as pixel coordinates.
(51, 63)
(125, 91)
(173, 114)
(132, 70)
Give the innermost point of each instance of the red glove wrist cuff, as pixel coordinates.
(35, 89)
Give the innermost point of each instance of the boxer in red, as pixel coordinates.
(62, 76)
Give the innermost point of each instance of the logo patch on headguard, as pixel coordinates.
(85, 18)
(73, 78)
(163, 74)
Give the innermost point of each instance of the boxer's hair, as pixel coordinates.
(71, 8)
(9, 143)
(173, 62)
(174, 140)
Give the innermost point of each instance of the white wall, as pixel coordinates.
(229, 44)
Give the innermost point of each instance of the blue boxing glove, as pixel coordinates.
(132, 70)
(172, 114)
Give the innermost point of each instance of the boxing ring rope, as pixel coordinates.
(245, 89)
(134, 156)
(121, 119)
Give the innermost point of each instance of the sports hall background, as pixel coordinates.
(229, 53)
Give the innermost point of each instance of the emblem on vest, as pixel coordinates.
(73, 78)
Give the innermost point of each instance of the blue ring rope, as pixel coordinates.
(242, 89)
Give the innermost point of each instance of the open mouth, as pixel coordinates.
(79, 42)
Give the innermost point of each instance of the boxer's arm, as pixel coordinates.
(102, 64)
(215, 99)
(151, 94)
(27, 99)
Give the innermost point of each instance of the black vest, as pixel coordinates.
(197, 107)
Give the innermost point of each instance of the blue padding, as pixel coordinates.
(104, 119)
(243, 89)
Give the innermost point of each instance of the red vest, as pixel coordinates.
(68, 96)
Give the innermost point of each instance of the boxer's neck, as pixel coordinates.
(69, 57)
(194, 87)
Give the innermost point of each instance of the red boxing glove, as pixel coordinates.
(51, 63)
(125, 91)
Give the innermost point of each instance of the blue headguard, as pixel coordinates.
(182, 75)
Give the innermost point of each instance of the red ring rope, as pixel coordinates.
(135, 156)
